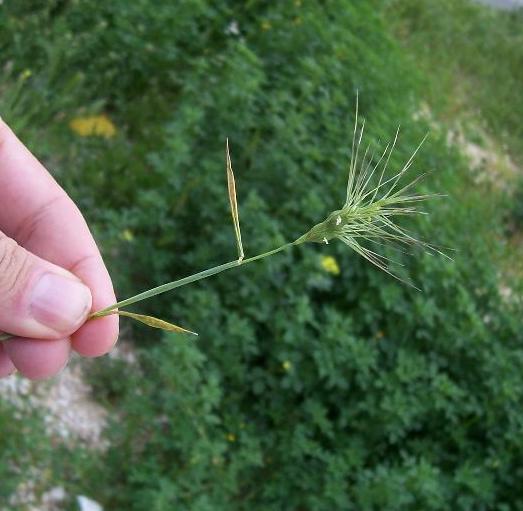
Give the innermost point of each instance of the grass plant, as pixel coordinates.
(366, 218)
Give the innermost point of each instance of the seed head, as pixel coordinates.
(372, 202)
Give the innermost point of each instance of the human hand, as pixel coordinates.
(51, 272)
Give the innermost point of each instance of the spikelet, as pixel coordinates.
(367, 217)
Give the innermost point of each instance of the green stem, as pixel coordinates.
(178, 283)
(186, 280)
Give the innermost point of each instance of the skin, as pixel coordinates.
(37, 213)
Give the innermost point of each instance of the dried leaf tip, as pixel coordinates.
(231, 185)
(155, 322)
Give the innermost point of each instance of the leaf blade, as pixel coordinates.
(155, 322)
(231, 186)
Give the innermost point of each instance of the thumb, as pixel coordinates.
(38, 299)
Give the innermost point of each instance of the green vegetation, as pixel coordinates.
(306, 389)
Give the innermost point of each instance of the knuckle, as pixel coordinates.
(14, 265)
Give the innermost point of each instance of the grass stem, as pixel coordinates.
(186, 280)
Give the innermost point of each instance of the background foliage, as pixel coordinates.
(306, 389)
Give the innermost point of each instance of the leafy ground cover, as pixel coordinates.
(317, 381)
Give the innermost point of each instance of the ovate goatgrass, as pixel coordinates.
(365, 222)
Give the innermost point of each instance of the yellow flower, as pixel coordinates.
(266, 25)
(127, 235)
(287, 366)
(94, 125)
(330, 265)
(231, 437)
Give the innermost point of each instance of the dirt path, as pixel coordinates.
(503, 4)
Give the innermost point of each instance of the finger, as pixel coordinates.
(6, 366)
(37, 359)
(40, 216)
(97, 336)
(37, 298)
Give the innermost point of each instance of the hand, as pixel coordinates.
(51, 272)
